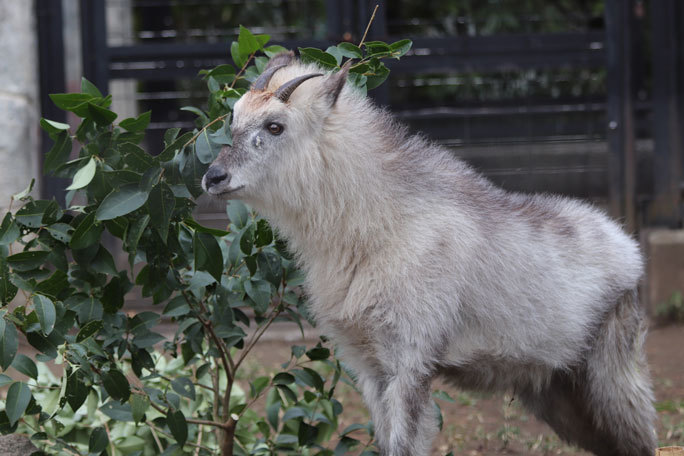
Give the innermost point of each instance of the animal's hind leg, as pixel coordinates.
(563, 404)
(619, 384)
(605, 406)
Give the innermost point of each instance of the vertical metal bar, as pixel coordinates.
(94, 43)
(620, 110)
(333, 17)
(52, 80)
(664, 210)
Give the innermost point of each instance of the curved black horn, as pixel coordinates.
(262, 81)
(285, 90)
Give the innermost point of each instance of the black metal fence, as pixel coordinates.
(583, 98)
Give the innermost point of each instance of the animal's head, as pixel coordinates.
(273, 124)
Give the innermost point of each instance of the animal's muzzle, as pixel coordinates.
(215, 176)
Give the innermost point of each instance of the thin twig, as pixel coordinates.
(368, 26)
(109, 437)
(194, 445)
(199, 440)
(260, 331)
(156, 439)
(192, 420)
(194, 138)
(242, 70)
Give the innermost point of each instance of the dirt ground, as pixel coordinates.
(476, 424)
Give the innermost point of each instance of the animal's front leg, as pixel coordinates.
(407, 425)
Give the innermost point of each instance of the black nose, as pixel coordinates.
(214, 175)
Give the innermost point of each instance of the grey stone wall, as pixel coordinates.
(19, 111)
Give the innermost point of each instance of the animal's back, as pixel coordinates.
(532, 275)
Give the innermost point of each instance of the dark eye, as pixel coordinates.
(274, 128)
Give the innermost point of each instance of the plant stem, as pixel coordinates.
(242, 70)
(191, 420)
(227, 438)
(368, 26)
(194, 138)
(260, 331)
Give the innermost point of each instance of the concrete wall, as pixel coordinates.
(19, 110)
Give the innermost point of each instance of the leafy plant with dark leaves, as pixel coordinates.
(128, 385)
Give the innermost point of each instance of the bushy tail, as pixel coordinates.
(619, 385)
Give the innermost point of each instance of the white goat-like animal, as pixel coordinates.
(418, 267)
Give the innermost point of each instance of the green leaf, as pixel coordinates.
(294, 412)
(59, 152)
(379, 75)
(307, 434)
(170, 135)
(208, 256)
(7, 289)
(318, 353)
(160, 205)
(376, 48)
(317, 56)
(204, 229)
(178, 426)
(46, 345)
(76, 390)
(84, 175)
(8, 343)
(26, 366)
(18, 398)
(135, 233)
(175, 147)
(27, 261)
(70, 101)
(34, 213)
(235, 54)
(98, 441)
(117, 411)
(247, 239)
(271, 267)
(184, 387)
(271, 51)
(88, 308)
(247, 43)
(89, 329)
(283, 378)
(350, 50)
(116, 385)
(136, 158)
(139, 123)
(177, 307)
(237, 213)
(121, 201)
(89, 88)
(139, 405)
(5, 380)
(45, 310)
(399, 48)
(52, 126)
(335, 52)
(192, 173)
(101, 116)
(103, 262)
(87, 233)
(9, 231)
(61, 231)
(263, 235)
(260, 292)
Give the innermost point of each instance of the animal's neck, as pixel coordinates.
(341, 205)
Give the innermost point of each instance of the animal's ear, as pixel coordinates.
(335, 83)
(281, 58)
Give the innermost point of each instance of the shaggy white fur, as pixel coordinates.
(417, 266)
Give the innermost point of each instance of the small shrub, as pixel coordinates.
(126, 388)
